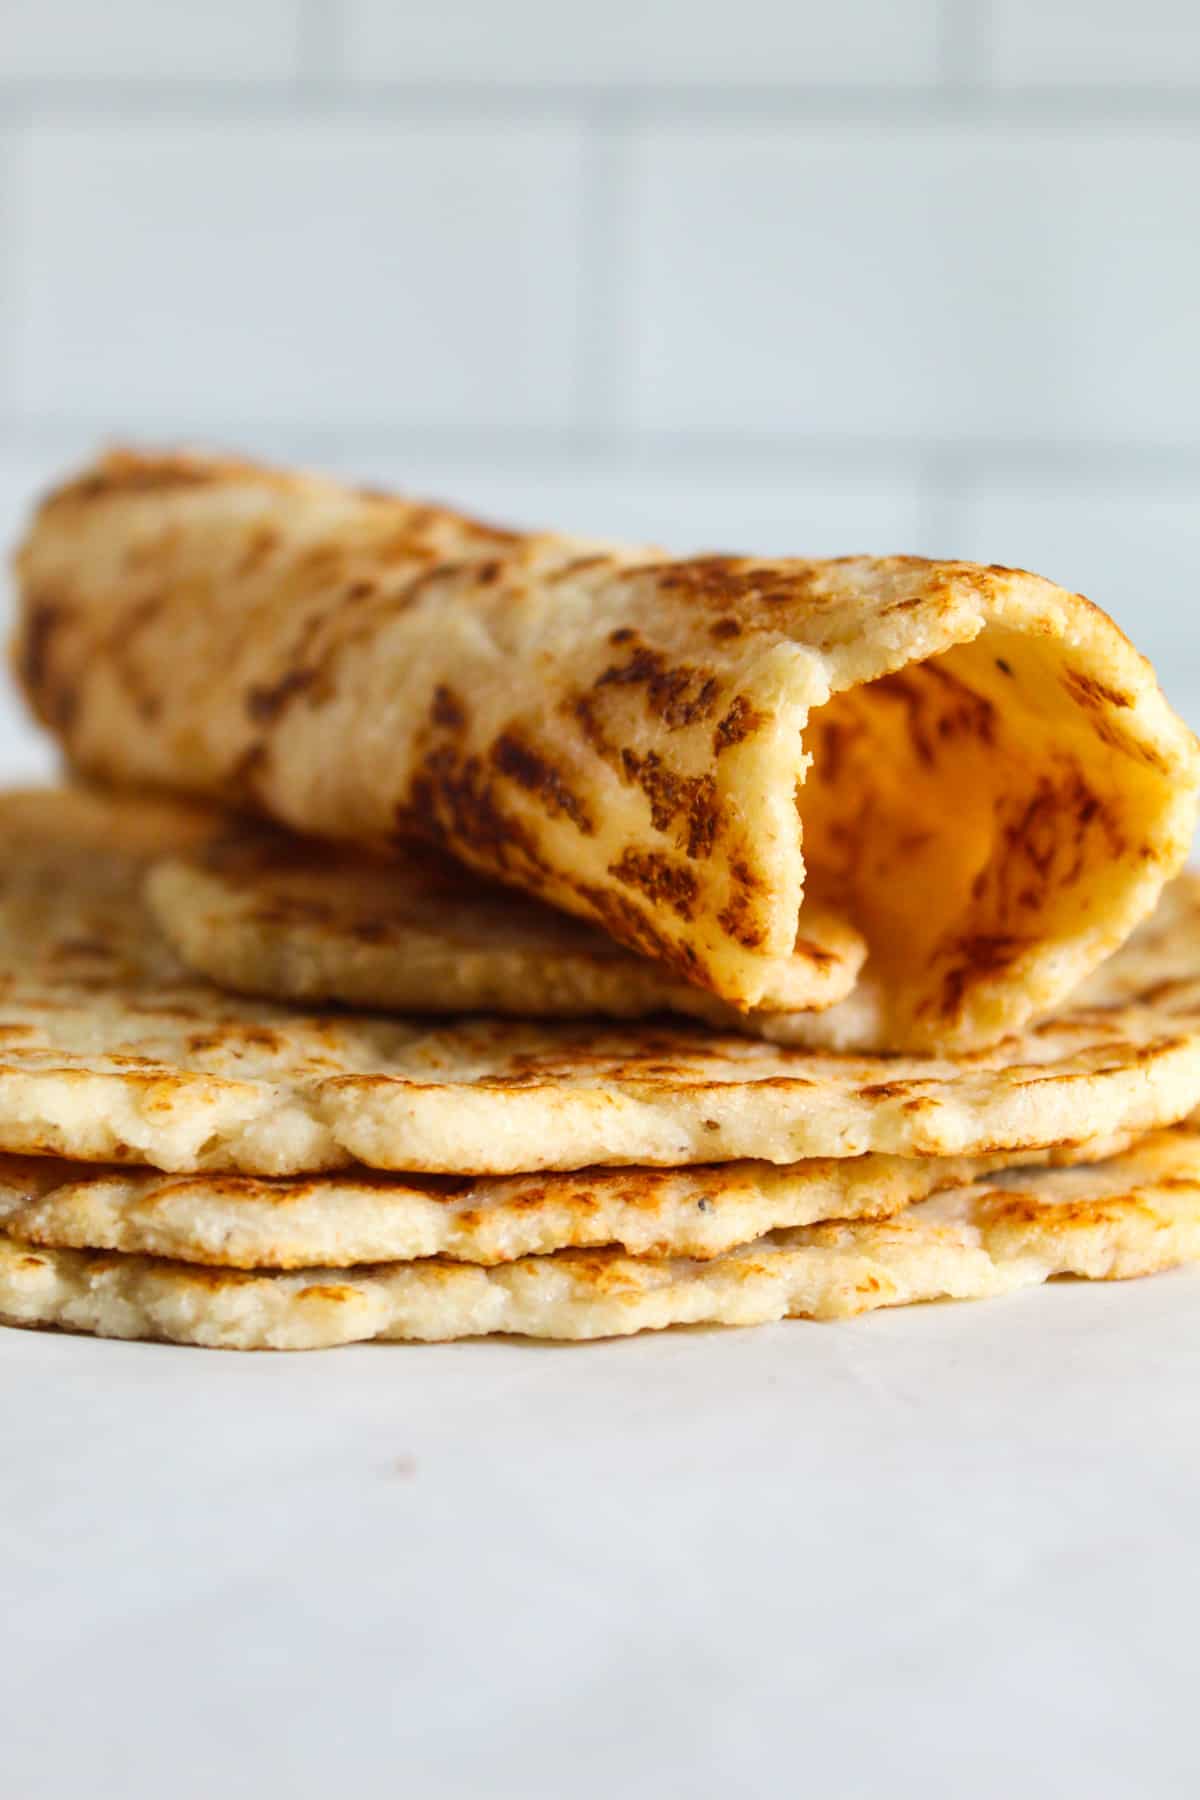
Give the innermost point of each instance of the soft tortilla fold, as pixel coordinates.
(263, 911)
(972, 766)
(110, 1052)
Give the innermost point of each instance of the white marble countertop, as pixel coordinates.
(949, 1550)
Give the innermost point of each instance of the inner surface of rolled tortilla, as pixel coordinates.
(966, 810)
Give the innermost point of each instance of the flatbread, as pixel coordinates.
(363, 1216)
(263, 911)
(1133, 1216)
(1159, 962)
(238, 1221)
(974, 768)
(104, 1056)
(108, 1053)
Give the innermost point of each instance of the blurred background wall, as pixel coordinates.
(785, 275)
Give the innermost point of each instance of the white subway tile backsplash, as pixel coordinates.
(94, 40)
(193, 276)
(644, 41)
(1133, 548)
(777, 513)
(942, 282)
(1107, 42)
(693, 321)
(24, 476)
(26, 755)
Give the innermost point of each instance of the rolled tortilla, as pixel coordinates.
(971, 767)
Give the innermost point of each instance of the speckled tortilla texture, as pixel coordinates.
(109, 1053)
(971, 766)
(360, 1216)
(1135, 1215)
(1161, 958)
(266, 912)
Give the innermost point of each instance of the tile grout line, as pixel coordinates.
(321, 90)
(942, 468)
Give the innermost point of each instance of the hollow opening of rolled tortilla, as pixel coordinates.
(964, 811)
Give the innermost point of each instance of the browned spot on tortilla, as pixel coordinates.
(830, 741)
(1047, 837)
(629, 923)
(321, 562)
(725, 628)
(733, 581)
(54, 700)
(677, 694)
(265, 704)
(334, 1292)
(737, 921)
(411, 592)
(1023, 1208)
(740, 722)
(448, 710)
(241, 784)
(662, 880)
(703, 816)
(406, 545)
(1111, 734)
(978, 957)
(532, 772)
(484, 530)
(739, 917)
(1092, 693)
(941, 709)
(452, 801)
(581, 708)
(576, 566)
(304, 672)
(991, 953)
(1081, 808)
(250, 1037)
(261, 544)
(688, 800)
(126, 472)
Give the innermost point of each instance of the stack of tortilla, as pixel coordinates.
(450, 931)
